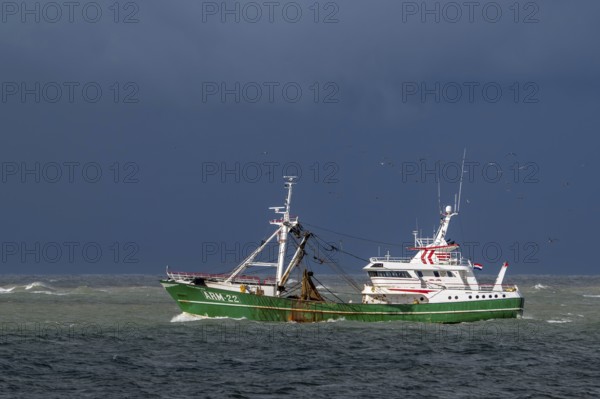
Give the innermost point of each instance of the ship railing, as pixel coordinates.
(453, 258)
(505, 287)
(481, 287)
(189, 276)
(390, 259)
(424, 241)
(440, 286)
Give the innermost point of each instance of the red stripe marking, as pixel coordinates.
(438, 247)
(409, 290)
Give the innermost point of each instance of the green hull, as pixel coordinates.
(211, 302)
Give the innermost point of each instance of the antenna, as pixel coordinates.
(462, 173)
(439, 200)
(455, 207)
(291, 180)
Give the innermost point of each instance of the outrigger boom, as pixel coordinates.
(286, 224)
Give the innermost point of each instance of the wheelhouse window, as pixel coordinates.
(450, 274)
(419, 273)
(397, 274)
(377, 265)
(436, 274)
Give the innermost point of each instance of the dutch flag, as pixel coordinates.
(477, 266)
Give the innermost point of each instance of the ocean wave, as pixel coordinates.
(592, 296)
(575, 314)
(37, 284)
(6, 290)
(540, 286)
(559, 321)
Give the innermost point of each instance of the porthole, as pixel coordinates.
(477, 296)
(455, 297)
(449, 297)
(503, 296)
(496, 296)
(470, 296)
(422, 298)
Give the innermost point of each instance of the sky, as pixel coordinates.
(136, 135)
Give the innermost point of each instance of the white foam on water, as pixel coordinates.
(187, 317)
(592, 296)
(560, 321)
(50, 293)
(6, 290)
(540, 287)
(335, 320)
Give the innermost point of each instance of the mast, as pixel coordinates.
(448, 211)
(462, 173)
(286, 223)
(441, 233)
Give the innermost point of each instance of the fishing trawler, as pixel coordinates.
(437, 284)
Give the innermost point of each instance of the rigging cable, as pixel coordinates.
(351, 236)
(335, 266)
(334, 248)
(326, 289)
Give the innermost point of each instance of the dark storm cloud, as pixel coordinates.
(365, 62)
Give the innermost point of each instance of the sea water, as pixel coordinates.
(123, 336)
